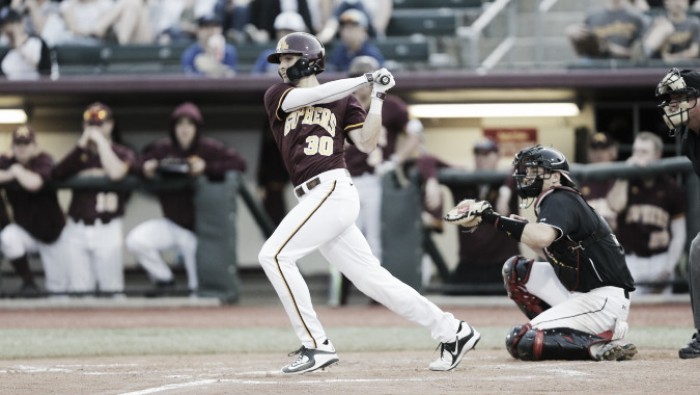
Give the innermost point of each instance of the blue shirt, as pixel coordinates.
(190, 54)
(341, 57)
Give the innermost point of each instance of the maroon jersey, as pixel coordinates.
(593, 190)
(89, 205)
(37, 212)
(311, 139)
(394, 120)
(644, 226)
(178, 205)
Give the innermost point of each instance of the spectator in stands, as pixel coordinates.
(651, 220)
(377, 12)
(92, 22)
(236, 16)
(261, 28)
(354, 42)
(396, 144)
(29, 57)
(285, 23)
(673, 35)
(93, 234)
(38, 218)
(481, 253)
(608, 32)
(185, 153)
(43, 18)
(174, 21)
(602, 148)
(210, 56)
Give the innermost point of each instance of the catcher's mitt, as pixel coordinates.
(467, 213)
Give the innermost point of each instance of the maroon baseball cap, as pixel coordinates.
(97, 113)
(23, 135)
(601, 140)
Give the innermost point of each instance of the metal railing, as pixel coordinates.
(474, 34)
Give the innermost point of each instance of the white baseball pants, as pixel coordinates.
(324, 220)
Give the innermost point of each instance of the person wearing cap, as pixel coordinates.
(399, 139)
(482, 252)
(194, 156)
(263, 13)
(602, 148)
(378, 13)
(38, 219)
(29, 57)
(651, 219)
(93, 233)
(354, 41)
(285, 23)
(673, 35)
(210, 55)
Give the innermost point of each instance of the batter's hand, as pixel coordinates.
(383, 80)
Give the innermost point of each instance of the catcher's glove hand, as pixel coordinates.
(468, 213)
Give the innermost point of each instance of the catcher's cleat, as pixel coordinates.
(311, 359)
(615, 351)
(451, 354)
(692, 350)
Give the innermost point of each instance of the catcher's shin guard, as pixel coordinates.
(516, 271)
(514, 337)
(556, 343)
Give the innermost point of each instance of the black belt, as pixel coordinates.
(311, 184)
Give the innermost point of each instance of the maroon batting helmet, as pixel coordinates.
(305, 45)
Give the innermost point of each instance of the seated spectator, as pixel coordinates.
(210, 56)
(235, 15)
(673, 35)
(43, 18)
(261, 27)
(92, 22)
(285, 23)
(194, 155)
(608, 32)
(93, 235)
(354, 42)
(378, 13)
(29, 57)
(173, 21)
(38, 218)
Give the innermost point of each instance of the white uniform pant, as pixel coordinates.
(324, 220)
(648, 269)
(95, 256)
(16, 242)
(602, 310)
(147, 240)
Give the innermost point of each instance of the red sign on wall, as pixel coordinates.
(511, 140)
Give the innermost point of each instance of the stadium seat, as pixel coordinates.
(405, 52)
(428, 22)
(79, 59)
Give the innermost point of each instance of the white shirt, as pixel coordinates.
(21, 63)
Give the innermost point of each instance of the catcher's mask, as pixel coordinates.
(535, 164)
(677, 97)
(306, 46)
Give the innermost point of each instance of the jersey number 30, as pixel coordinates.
(319, 145)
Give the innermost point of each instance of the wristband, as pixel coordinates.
(380, 95)
(370, 77)
(512, 228)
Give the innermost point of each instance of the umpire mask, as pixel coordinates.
(677, 98)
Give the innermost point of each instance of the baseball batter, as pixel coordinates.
(578, 301)
(310, 122)
(93, 235)
(678, 92)
(38, 218)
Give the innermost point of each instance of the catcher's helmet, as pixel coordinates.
(678, 92)
(549, 159)
(305, 45)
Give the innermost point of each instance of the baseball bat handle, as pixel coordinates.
(384, 80)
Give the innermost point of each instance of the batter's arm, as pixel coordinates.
(325, 93)
(366, 138)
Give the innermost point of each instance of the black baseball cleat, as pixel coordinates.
(616, 351)
(692, 350)
(451, 353)
(311, 359)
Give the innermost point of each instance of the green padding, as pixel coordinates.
(215, 203)
(402, 231)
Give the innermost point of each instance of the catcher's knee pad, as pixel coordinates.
(556, 343)
(516, 272)
(514, 337)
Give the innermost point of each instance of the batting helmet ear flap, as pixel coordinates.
(300, 69)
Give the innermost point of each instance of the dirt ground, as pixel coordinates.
(488, 369)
